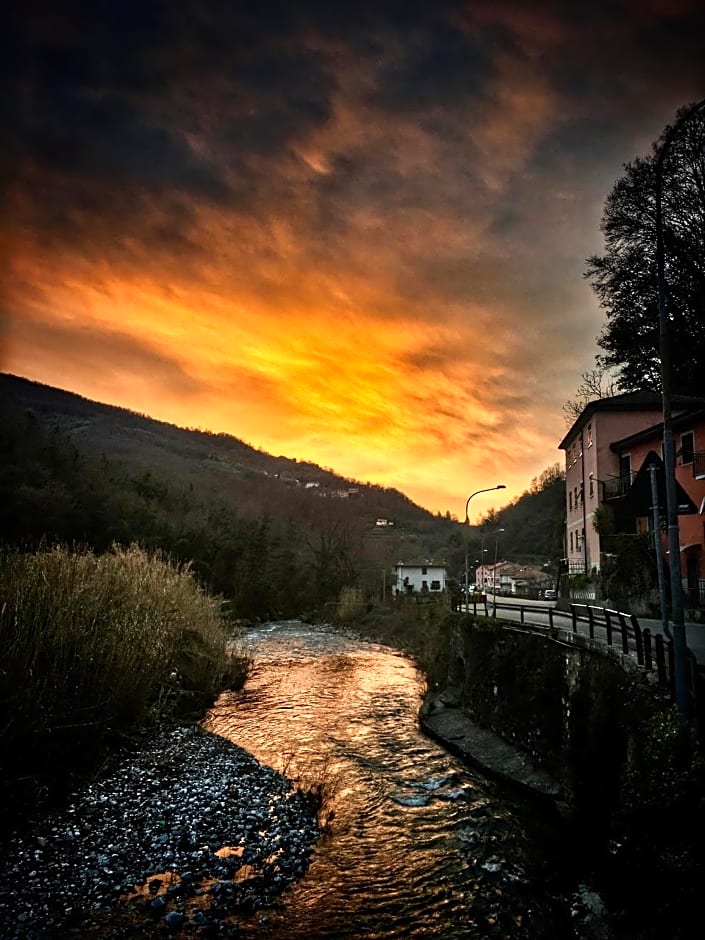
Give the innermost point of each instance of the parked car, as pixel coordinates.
(549, 594)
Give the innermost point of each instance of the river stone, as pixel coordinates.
(163, 810)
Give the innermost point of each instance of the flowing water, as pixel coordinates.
(417, 844)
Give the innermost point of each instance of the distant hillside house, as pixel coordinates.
(424, 577)
(383, 523)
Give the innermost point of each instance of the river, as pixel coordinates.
(416, 844)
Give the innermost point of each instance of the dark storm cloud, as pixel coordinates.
(437, 63)
(118, 102)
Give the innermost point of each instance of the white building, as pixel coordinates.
(424, 577)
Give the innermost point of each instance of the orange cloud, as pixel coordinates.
(336, 238)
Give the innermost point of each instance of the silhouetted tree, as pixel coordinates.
(594, 384)
(624, 277)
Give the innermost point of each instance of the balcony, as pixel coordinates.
(616, 487)
(699, 465)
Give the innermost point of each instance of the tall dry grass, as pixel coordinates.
(93, 644)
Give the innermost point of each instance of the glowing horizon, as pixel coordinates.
(359, 244)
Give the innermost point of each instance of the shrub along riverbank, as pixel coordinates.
(95, 647)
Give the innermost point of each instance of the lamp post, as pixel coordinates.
(483, 552)
(499, 486)
(494, 571)
(679, 642)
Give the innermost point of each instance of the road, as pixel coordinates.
(536, 612)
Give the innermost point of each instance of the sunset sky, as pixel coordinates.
(352, 233)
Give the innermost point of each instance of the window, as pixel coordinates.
(424, 570)
(592, 486)
(571, 541)
(435, 585)
(687, 447)
(589, 435)
(582, 492)
(625, 466)
(570, 500)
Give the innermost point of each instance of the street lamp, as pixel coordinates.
(499, 486)
(679, 642)
(494, 571)
(483, 552)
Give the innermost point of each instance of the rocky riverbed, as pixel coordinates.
(188, 832)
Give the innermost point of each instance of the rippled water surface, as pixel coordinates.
(417, 844)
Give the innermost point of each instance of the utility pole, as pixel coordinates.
(656, 526)
(680, 649)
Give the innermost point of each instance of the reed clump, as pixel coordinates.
(94, 645)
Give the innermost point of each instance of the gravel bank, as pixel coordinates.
(190, 832)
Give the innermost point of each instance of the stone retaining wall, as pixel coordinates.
(573, 711)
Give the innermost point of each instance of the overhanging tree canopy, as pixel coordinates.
(624, 277)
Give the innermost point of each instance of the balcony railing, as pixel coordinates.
(699, 465)
(616, 487)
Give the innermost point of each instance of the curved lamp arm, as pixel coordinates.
(500, 486)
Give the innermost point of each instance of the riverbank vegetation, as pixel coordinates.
(95, 646)
(422, 631)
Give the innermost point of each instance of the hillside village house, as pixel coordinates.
(424, 577)
(605, 448)
(593, 469)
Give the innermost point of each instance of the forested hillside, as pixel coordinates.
(272, 535)
(534, 524)
(528, 531)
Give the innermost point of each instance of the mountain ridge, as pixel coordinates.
(152, 443)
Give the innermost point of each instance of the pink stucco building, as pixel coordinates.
(599, 473)
(640, 449)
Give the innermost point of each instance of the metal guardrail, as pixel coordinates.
(615, 629)
(616, 487)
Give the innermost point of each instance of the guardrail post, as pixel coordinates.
(550, 617)
(575, 618)
(660, 660)
(521, 612)
(607, 614)
(638, 640)
(591, 623)
(648, 658)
